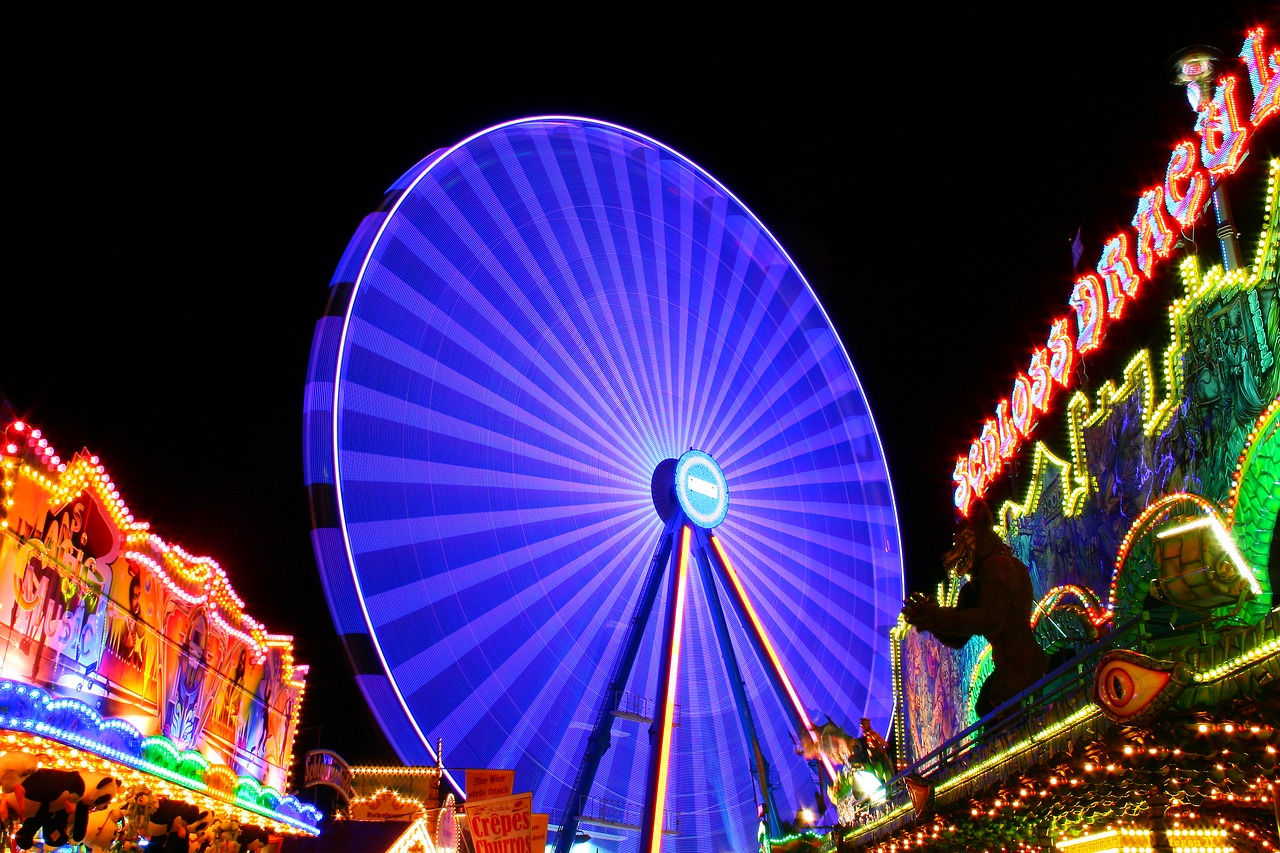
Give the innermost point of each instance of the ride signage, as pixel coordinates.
(1225, 123)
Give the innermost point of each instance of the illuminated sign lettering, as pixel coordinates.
(1186, 184)
(1155, 238)
(1098, 298)
(1264, 76)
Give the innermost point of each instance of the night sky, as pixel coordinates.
(179, 190)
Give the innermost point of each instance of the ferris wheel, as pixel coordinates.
(596, 493)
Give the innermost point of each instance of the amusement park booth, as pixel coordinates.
(1150, 533)
(133, 665)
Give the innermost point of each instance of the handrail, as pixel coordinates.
(1002, 718)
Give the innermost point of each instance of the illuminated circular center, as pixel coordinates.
(701, 489)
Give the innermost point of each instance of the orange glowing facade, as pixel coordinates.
(118, 647)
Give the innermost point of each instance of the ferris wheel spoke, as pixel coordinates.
(581, 248)
(517, 630)
(772, 589)
(628, 244)
(532, 244)
(718, 344)
(650, 229)
(828, 540)
(815, 468)
(486, 453)
(758, 425)
(497, 614)
(405, 567)
(790, 543)
(548, 703)
(457, 371)
(782, 391)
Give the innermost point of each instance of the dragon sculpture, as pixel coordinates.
(995, 603)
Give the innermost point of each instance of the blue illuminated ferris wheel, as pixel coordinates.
(596, 493)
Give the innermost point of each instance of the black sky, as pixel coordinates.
(179, 187)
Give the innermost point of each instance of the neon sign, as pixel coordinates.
(1099, 298)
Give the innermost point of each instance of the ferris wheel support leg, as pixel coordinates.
(664, 716)
(599, 741)
(769, 658)
(758, 762)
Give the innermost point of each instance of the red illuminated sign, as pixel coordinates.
(1100, 297)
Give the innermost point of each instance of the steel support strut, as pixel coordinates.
(599, 741)
(768, 658)
(668, 678)
(758, 761)
(712, 562)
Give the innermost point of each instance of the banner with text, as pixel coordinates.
(502, 824)
(538, 831)
(484, 784)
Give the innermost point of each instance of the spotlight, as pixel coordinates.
(1197, 67)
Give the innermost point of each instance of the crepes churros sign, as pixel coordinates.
(502, 824)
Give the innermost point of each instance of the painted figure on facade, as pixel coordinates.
(187, 698)
(131, 637)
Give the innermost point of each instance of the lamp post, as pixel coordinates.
(1197, 68)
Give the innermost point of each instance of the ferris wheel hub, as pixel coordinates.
(701, 489)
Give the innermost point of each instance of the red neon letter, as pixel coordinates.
(990, 442)
(1087, 298)
(1222, 134)
(1007, 435)
(1062, 352)
(1024, 412)
(979, 474)
(1155, 240)
(1185, 184)
(1264, 75)
(1041, 381)
(964, 487)
(1116, 269)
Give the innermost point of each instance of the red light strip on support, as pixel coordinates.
(668, 709)
(768, 647)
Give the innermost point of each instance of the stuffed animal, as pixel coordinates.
(53, 798)
(222, 836)
(176, 826)
(137, 810)
(15, 768)
(253, 839)
(104, 826)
